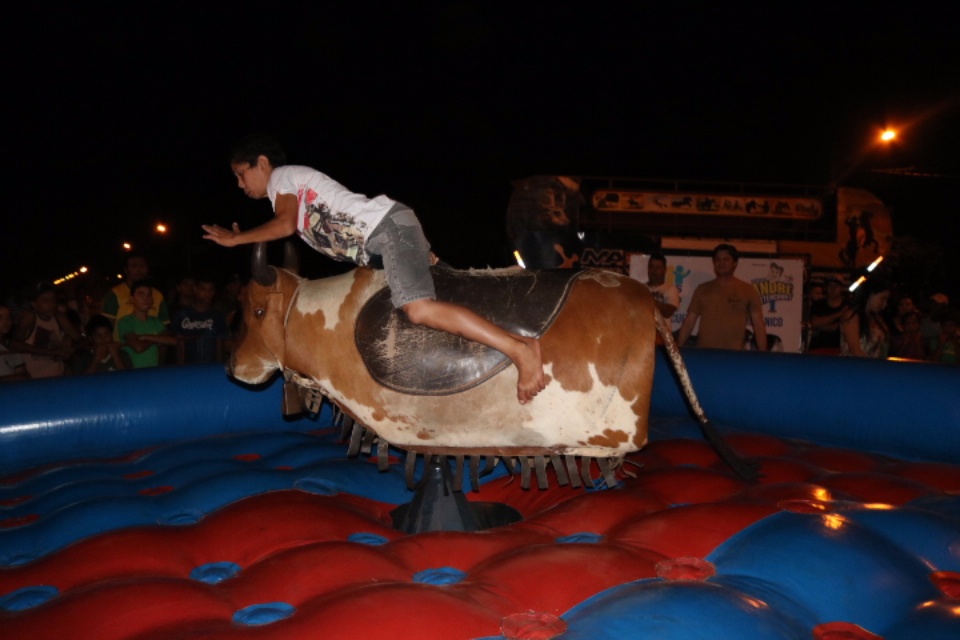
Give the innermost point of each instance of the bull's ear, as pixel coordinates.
(262, 273)
(291, 258)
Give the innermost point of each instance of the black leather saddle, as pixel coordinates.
(418, 360)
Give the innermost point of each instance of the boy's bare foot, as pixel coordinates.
(529, 363)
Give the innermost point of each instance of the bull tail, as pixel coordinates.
(746, 469)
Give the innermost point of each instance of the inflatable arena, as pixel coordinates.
(176, 503)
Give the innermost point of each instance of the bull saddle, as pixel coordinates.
(418, 360)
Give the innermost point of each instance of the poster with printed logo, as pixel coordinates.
(779, 282)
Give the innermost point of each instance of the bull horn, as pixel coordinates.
(261, 272)
(291, 258)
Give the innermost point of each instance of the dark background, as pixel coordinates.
(117, 117)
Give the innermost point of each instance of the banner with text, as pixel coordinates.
(805, 208)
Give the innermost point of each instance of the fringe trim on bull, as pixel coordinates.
(575, 471)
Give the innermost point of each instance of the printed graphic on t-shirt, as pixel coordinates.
(338, 235)
(196, 325)
(203, 329)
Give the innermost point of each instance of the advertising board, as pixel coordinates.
(779, 282)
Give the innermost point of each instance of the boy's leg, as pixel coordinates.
(460, 321)
(406, 260)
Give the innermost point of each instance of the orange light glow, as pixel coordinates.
(887, 135)
(821, 493)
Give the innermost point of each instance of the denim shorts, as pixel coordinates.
(400, 242)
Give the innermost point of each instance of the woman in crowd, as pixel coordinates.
(863, 331)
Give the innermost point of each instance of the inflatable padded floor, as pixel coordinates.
(279, 535)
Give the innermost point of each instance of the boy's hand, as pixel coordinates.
(223, 237)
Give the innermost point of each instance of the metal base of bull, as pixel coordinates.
(439, 503)
(437, 506)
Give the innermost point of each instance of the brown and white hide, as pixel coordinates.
(598, 357)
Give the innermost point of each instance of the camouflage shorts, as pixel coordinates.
(400, 242)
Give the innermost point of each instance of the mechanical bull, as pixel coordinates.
(432, 393)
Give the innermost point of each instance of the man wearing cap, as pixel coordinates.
(825, 318)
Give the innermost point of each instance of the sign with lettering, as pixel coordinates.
(707, 204)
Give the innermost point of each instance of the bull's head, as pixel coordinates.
(261, 347)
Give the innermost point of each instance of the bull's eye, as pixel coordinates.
(259, 312)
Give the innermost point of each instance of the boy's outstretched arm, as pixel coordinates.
(282, 225)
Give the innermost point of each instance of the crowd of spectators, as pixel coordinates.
(881, 319)
(73, 329)
(48, 331)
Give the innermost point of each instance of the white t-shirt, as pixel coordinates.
(330, 218)
(665, 294)
(9, 361)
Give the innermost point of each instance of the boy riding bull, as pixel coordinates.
(351, 227)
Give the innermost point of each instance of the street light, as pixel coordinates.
(884, 139)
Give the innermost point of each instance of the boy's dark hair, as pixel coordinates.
(140, 284)
(658, 256)
(206, 278)
(729, 248)
(130, 255)
(42, 287)
(252, 147)
(98, 322)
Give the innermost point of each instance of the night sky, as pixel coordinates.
(119, 117)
